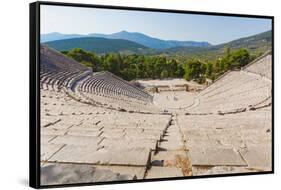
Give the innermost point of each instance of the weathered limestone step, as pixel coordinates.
(258, 157)
(213, 170)
(205, 144)
(137, 171)
(173, 122)
(77, 140)
(46, 138)
(53, 174)
(47, 150)
(129, 143)
(133, 131)
(172, 140)
(171, 144)
(216, 157)
(142, 135)
(167, 158)
(61, 126)
(112, 133)
(113, 129)
(84, 133)
(163, 172)
(154, 132)
(66, 124)
(87, 128)
(49, 121)
(173, 135)
(195, 134)
(53, 131)
(257, 139)
(90, 155)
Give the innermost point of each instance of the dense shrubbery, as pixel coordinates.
(132, 67)
(129, 67)
(199, 70)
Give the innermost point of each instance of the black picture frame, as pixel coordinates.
(34, 91)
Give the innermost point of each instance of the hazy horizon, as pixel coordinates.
(165, 26)
(144, 34)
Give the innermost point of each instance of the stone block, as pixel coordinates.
(163, 172)
(48, 150)
(137, 171)
(258, 157)
(214, 170)
(88, 155)
(56, 174)
(216, 157)
(77, 140)
(129, 143)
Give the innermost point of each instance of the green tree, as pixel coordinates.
(112, 63)
(239, 58)
(173, 68)
(180, 70)
(209, 70)
(195, 69)
(135, 66)
(87, 58)
(164, 74)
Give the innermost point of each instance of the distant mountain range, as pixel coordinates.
(136, 37)
(101, 43)
(255, 44)
(150, 41)
(58, 36)
(97, 44)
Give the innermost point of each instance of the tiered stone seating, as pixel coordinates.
(103, 88)
(54, 60)
(110, 91)
(58, 71)
(112, 141)
(236, 91)
(105, 83)
(261, 66)
(73, 133)
(106, 129)
(233, 143)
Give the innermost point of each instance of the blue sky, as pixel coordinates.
(167, 26)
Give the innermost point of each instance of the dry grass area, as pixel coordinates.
(185, 164)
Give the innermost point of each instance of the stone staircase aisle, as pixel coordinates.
(171, 157)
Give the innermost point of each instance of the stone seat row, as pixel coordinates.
(261, 67)
(114, 80)
(56, 80)
(105, 83)
(54, 60)
(119, 103)
(235, 91)
(101, 87)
